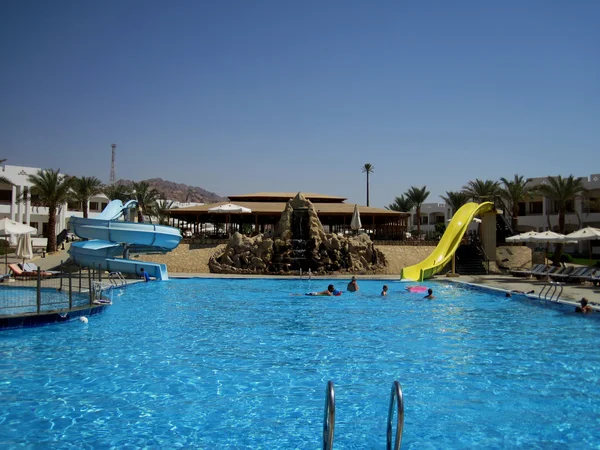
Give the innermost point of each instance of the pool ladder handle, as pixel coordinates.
(396, 399)
(544, 292)
(329, 416)
(117, 279)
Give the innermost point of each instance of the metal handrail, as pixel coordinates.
(487, 259)
(117, 279)
(398, 398)
(329, 416)
(550, 285)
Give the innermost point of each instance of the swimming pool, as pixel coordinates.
(223, 363)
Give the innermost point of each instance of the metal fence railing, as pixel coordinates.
(64, 290)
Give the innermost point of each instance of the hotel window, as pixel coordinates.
(93, 206)
(6, 197)
(424, 220)
(104, 205)
(522, 209)
(592, 205)
(569, 206)
(73, 206)
(536, 208)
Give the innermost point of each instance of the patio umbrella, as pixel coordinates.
(24, 247)
(549, 237)
(523, 237)
(355, 223)
(229, 208)
(586, 234)
(9, 227)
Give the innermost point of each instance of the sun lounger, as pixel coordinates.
(546, 273)
(32, 267)
(17, 272)
(526, 273)
(578, 275)
(594, 277)
(563, 273)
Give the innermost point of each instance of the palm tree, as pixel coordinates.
(513, 192)
(117, 192)
(50, 189)
(561, 191)
(417, 197)
(455, 200)
(482, 191)
(4, 180)
(146, 197)
(401, 204)
(85, 188)
(162, 210)
(368, 169)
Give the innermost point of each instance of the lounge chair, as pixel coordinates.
(32, 267)
(593, 278)
(549, 271)
(526, 273)
(578, 274)
(562, 274)
(17, 272)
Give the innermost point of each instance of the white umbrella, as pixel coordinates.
(355, 223)
(229, 208)
(586, 234)
(523, 237)
(9, 227)
(24, 247)
(549, 236)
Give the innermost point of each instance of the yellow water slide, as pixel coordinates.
(448, 244)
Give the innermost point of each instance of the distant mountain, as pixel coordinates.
(180, 192)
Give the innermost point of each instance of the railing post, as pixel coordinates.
(39, 291)
(70, 292)
(80, 279)
(99, 274)
(90, 287)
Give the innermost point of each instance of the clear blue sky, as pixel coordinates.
(246, 96)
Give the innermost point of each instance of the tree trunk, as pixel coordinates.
(51, 246)
(559, 247)
(85, 209)
(515, 218)
(419, 222)
(367, 188)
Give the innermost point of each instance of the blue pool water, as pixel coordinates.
(243, 364)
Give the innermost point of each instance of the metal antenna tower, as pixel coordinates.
(112, 164)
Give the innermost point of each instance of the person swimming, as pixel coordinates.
(429, 293)
(384, 290)
(584, 308)
(330, 291)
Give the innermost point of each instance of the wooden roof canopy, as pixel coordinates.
(270, 203)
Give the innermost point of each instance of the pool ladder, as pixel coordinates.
(396, 399)
(117, 279)
(550, 289)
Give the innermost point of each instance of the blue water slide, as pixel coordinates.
(112, 238)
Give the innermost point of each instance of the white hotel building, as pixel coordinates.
(37, 217)
(536, 214)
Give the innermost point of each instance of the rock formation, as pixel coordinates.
(298, 243)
